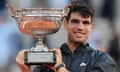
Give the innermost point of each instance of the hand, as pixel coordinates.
(20, 61)
(58, 59)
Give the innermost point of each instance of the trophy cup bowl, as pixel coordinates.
(38, 22)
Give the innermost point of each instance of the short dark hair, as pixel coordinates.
(81, 7)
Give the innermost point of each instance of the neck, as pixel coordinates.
(72, 45)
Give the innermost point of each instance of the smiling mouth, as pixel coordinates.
(79, 34)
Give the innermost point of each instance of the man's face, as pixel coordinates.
(78, 28)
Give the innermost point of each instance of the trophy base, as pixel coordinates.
(39, 57)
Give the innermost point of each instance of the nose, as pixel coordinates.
(80, 26)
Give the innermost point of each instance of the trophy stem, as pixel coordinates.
(39, 45)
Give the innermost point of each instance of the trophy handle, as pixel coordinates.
(66, 11)
(14, 13)
(11, 10)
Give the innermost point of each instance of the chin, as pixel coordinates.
(78, 41)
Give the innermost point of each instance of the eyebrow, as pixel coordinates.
(86, 21)
(77, 20)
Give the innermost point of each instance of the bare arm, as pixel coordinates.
(20, 62)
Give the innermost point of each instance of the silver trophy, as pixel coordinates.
(38, 22)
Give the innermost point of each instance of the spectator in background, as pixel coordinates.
(114, 49)
(3, 10)
(2, 5)
(108, 10)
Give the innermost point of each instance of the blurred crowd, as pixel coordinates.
(104, 37)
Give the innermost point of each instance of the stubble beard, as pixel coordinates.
(71, 40)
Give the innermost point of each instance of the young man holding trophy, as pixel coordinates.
(76, 55)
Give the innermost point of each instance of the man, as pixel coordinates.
(76, 56)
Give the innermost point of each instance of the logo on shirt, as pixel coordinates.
(82, 64)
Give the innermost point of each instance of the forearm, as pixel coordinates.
(25, 71)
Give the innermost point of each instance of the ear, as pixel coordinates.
(92, 26)
(65, 23)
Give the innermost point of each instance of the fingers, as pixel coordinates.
(20, 57)
(57, 50)
(58, 55)
(20, 61)
(58, 58)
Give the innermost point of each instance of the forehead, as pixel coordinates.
(76, 15)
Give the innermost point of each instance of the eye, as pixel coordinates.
(86, 22)
(75, 21)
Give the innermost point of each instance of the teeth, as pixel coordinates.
(78, 34)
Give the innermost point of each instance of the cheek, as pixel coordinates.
(69, 28)
(89, 29)
(70, 31)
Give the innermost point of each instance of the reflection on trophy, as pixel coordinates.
(38, 22)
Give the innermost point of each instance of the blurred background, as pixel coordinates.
(104, 37)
